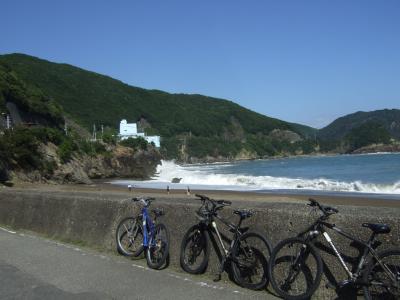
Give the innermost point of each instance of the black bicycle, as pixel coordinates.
(295, 266)
(246, 253)
(143, 233)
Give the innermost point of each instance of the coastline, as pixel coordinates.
(241, 196)
(328, 154)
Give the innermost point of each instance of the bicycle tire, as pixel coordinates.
(295, 281)
(379, 285)
(129, 237)
(250, 257)
(194, 245)
(156, 255)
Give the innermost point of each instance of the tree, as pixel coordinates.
(135, 143)
(367, 134)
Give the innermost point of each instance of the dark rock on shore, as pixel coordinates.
(375, 148)
(124, 162)
(120, 162)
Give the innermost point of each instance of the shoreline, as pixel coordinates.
(328, 154)
(240, 196)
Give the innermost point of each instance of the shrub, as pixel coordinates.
(66, 149)
(47, 134)
(135, 143)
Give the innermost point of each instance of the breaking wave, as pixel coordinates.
(208, 176)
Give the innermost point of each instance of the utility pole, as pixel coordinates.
(8, 122)
(102, 131)
(94, 132)
(65, 128)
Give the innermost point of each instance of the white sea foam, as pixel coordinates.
(206, 177)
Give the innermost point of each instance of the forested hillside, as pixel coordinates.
(388, 118)
(190, 125)
(361, 129)
(193, 128)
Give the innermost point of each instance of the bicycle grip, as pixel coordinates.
(224, 202)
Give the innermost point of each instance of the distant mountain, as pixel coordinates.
(389, 119)
(190, 125)
(306, 131)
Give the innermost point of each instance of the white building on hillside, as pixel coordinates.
(129, 130)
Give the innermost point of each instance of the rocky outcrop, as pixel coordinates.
(375, 148)
(118, 162)
(246, 154)
(205, 160)
(124, 162)
(285, 135)
(242, 155)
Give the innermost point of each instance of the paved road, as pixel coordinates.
(32, 267)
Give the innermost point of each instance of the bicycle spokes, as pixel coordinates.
(295, 269)
(385, 280)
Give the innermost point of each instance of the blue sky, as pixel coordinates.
(301, 61)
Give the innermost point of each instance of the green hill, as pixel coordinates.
(361, 129)
(33, 103)
(193, 125)
(389, 119)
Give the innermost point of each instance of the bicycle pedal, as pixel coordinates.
(217, 277)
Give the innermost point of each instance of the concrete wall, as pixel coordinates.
(91, 218)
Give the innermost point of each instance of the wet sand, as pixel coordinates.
(101, 186)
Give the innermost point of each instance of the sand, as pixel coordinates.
(101, 186)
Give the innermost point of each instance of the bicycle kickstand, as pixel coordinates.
(221, 269)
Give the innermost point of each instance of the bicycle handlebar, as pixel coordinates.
(220, 202)
(216, 204)
(326, 210)
(202, 197)
(145, 200)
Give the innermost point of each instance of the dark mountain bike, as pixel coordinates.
(295, 267)
(246, 252)
(141, 233)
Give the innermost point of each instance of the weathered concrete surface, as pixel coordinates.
(91, 218)
(36, 268)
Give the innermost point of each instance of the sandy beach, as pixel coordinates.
(102, 186)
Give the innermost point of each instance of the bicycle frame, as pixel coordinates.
(318, 228)
(234, 228)
(148, 227)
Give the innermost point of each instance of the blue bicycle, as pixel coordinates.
(141, 233)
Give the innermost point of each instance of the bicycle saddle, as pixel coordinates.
(158, 211)
(377, 228)
(243, 213)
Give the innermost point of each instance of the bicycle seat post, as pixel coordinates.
(240, 221)
(371, 238)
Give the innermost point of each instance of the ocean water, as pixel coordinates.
(375, 174)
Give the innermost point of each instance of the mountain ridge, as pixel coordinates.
(222, 127)
(194, 127)
(12, 60)
(340, 127)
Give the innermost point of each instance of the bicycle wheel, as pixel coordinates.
(158, 249)
(383, 279)
(250, 261)
(195, 250)
(129, 237)
(295, 269)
